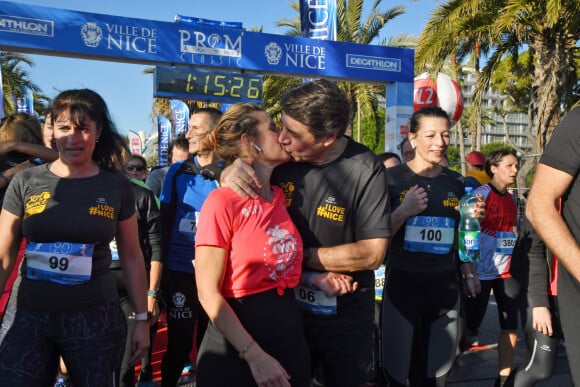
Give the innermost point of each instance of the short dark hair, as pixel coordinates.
(180, 143)
(493, 158)
(320, 104)
(212, 114)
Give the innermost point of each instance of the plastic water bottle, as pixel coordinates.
(469, 228)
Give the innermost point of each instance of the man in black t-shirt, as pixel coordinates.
(557, 176)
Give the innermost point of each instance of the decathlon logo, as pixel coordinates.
(27, 26)
(91, 34)
(373, 63)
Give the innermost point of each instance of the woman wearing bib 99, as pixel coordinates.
(422, 293)
(65, 299)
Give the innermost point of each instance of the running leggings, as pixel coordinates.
(419, 327)
(542, 349)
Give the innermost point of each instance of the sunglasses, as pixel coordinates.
(132, 168)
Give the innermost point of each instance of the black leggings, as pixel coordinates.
(420, 321)
(542, 350)
(183, 310)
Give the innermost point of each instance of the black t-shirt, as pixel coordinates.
(430, 232)
(563, 153)
(7, 161)
(337, 203)
(84, 211)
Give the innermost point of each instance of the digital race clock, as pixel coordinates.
(209, 85)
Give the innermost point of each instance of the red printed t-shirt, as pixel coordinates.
(500, 217)
(264, 248)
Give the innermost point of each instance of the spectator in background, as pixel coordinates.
(178, 151)
(407, 150)
(136, 168)
(147, 212)
(48, 132)
(21, 147)
(476, 174)
(184, 190)
(389, 159)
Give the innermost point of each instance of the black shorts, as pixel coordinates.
(506, 292)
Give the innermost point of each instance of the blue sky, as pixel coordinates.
(128, 91)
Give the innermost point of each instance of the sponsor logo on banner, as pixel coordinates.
(27, 26)
(296, 55)
(120, 37)
(373, 63)
(216, 48)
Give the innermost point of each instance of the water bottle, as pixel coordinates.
(469, 228)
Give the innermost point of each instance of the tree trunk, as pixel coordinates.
(552, 64)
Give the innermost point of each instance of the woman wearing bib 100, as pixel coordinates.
(421, 296)
(65, 300)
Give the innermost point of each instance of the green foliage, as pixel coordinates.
(454, 159)
(511, 78)
(485, 149)
(373, 131)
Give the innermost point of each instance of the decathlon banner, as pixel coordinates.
(179, 116)
(280, 54)
(318, 19)
(53, 31)
(163, 140)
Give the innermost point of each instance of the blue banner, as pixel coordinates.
(53, 31)
(163, 140)
(197, 21)
(318, 19)
(25, 103)
(399, 109)
(179, 116)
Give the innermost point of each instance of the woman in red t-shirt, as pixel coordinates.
(248, 259)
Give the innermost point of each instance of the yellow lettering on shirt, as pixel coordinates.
(103, 210)
(36, 204)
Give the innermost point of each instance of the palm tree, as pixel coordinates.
(350, 28)
(15, 78)
(549, 28)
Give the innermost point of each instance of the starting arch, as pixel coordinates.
(200, 46)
